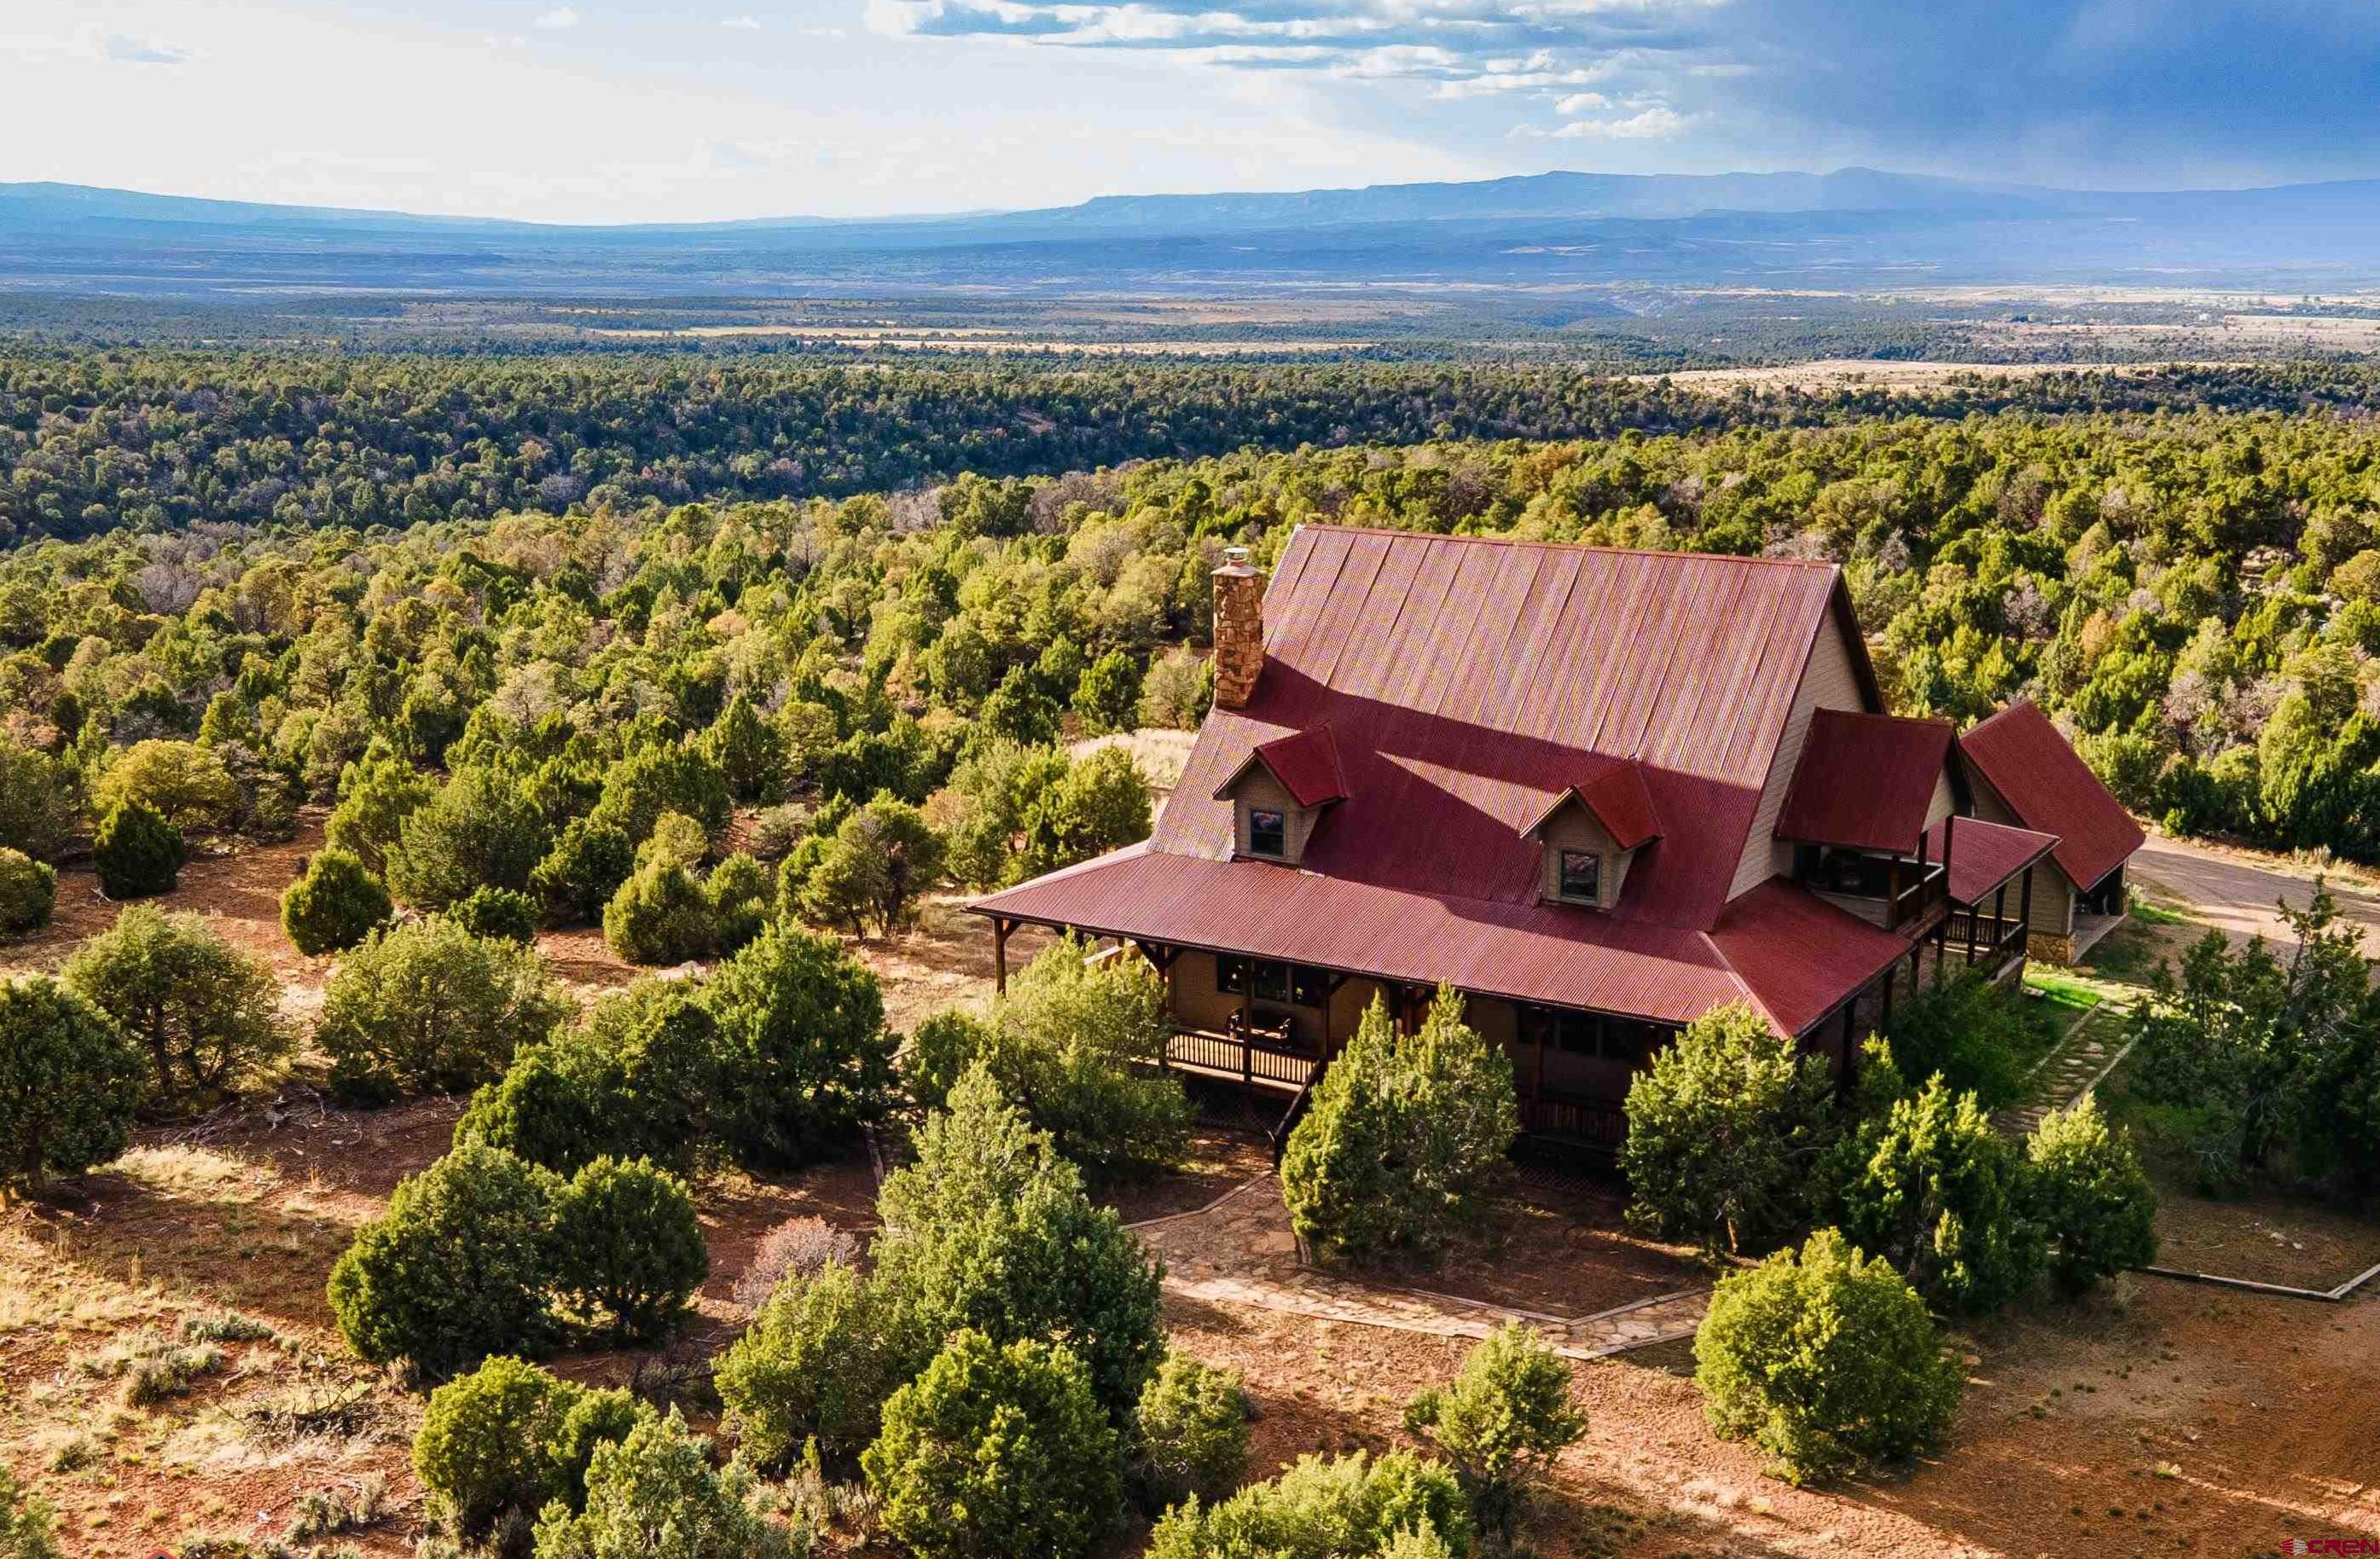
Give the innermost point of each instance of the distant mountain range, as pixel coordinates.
(1855, 229)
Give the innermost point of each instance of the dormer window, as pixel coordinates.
(1591, 831)
(1267, 833)
(1582, 877)
(1279, 793)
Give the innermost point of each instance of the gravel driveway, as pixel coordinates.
(2237, 891)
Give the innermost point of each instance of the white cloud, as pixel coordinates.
(1579, 102)
(1658, 123)
(561, 19)
(900, 19)
(1495, 83)
(742, 24)
(142, 50)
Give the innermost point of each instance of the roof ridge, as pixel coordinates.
(1945, 721)
(1394, 532)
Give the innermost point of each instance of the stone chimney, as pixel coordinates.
(1239, 630)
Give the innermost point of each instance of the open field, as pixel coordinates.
(1903, 377)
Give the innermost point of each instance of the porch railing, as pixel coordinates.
(1599, 1124)
(1993, 948)
(1932, 886)
(1259, 1061)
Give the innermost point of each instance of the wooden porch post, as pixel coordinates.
(1001, 926)
(1949, 828)
(1537, 1082)
(1884, 1016)
(1849, 1076)
(2024, 907)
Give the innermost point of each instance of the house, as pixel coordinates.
(1598, 791)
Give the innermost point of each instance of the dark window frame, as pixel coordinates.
(1279, 830)
(1562, 881)
(1272, 980)
(1595, 1036)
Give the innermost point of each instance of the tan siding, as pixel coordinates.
(2053, 900)
(1827, 683)
(1943, 804)
(1575, 828)
(1871, 911)
(1197, 1003)
(1258, 789)
(2053, 896)
(1989, 805)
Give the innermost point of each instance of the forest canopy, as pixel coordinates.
(2195, 593)
(94, 441)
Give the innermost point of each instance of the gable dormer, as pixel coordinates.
(1277, 794)
(1589, 834)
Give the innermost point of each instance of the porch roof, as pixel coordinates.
(1984, 855)
(1792, 955)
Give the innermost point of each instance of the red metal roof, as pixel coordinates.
(1467, 686)
(1469, 682)
(1306, 763)
(1616, 796)
(1865, 782)
(1795, 957)
(1799, 957)
(1984, 855)
(2049, 788)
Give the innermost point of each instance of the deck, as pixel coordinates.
(1593, 1125)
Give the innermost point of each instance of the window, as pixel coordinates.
(1292, 984)
(1625, 1040)
(1581, 875)
(1268, 832)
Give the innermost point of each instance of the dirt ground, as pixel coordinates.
(2161, 1418)
(236, 890)
(1556, 1245)
(1221, 1157)
(2262, 1413)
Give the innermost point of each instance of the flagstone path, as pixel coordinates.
(2090, 1051)
(1240, 1250)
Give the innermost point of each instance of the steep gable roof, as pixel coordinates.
(1306, 763)
(2052, 790)
(1865, 782)
(1468, 682)
(1616, 795)
(1468, 686)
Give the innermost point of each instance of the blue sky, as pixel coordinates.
(616, 110)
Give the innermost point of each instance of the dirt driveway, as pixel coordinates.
(2236, 889)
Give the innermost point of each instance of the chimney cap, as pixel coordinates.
(1235, 554)
(1235, 565)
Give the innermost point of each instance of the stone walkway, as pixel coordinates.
(2089, 1051)
(1240, 1250)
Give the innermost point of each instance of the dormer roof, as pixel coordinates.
(1305, 762)
(1865, 782)
(1615, 793)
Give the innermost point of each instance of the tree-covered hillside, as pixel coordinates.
(93, 442)
(2196, 595)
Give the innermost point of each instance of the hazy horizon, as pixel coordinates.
(592, 113)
